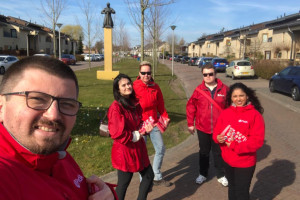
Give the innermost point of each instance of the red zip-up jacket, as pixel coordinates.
(249, 123)
(126, 155)
(28, 176)
(202, 111)
(150, 98)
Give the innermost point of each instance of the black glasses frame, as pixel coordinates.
(53, 98)
(208, 74)
(144, 73)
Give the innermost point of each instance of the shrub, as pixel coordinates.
(267, 68)
(79, 57)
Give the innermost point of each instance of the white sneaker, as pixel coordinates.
(200, 179)
(223, 181)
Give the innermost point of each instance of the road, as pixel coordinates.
(278, 160)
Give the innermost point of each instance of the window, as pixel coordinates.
(270, 39)
(208, 45)
(265, 37)
(228, 43)
(48, 39)
(66, 42)
(13, 33)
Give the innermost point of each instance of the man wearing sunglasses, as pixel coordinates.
(38, 107)
(202, 111)
(151, 100)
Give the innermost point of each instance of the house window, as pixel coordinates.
(270, 39)
(208, 45)
(66, 42)
(193, 47)
(228, 43)
(265, 37)
(48, 39)
(13, 33)
(298, 55)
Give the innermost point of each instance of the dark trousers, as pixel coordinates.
(239, 180)
(124, 179)
(206, 144)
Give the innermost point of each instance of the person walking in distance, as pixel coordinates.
(203, 110)
(151, 100)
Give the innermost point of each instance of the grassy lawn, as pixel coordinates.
(91, 151)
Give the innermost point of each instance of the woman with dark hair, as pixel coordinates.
(240, 132)
(129, 152)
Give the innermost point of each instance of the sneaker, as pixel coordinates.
(162, 182)
(200, 179)
(223, 181)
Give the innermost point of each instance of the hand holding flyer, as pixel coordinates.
(162, 123)
(230, 135)
(142, 130)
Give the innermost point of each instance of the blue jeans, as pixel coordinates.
(158, 144)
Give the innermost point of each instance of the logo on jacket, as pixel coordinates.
(220, 95)
(78, 180)
(243, 121)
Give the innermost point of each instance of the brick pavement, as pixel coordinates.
(278, 160)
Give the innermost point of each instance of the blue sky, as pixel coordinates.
(192, 17)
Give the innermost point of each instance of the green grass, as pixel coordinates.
(91, 151)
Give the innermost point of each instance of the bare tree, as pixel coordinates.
(121, 37)
(52, 9)
(137, 12)
(89, 14)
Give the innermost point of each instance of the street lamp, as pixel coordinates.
(59, 49)
(173, 27)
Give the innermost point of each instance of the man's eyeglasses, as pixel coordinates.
(43, 101)
(208, 74)
(144, 73)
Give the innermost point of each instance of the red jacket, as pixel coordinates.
(248, 122)
(150, 98)
(202, 111)
(27, 176)
(126, 155)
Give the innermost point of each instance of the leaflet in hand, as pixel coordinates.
(150, 120)
(162, 123)
(232, 135)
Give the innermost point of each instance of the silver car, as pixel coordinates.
(6, 61)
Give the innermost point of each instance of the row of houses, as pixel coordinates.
(275, 39)
(21, 37)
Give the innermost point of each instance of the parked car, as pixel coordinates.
(198, 60)
(99, 57)
(68, 59)
(91, 57)
(287, 81)
(220, 64)
(192, 61)
(177, 58)
(240, 68)
(6, 61)
(185, 59)
(41, 54)
(204, 60)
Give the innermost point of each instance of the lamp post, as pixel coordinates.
(173, 27)
(59, 48)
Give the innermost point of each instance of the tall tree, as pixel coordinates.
(80, 45)
(137, 12)
(75, 31)
(52, 9)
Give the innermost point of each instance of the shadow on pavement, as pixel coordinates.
(263, 152)
(184, 186)
(272, 179)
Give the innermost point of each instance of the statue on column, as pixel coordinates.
(108, 22)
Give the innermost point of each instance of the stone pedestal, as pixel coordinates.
(108, 73)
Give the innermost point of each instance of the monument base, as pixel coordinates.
(107, 75)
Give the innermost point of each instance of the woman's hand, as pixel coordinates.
(221, 138)
(191, 129)
(149, 127)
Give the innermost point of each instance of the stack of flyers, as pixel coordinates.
(232, 135)
(142, 130)
(162, 123)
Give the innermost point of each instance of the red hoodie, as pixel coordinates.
(200, 109)
(248, 122)
(28, 176)
(150, 99)
(126, 155)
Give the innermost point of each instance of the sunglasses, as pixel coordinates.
(208, 74)
(144, 73)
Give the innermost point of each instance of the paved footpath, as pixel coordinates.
(274, 178)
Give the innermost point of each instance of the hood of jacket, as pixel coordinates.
(11, 149)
